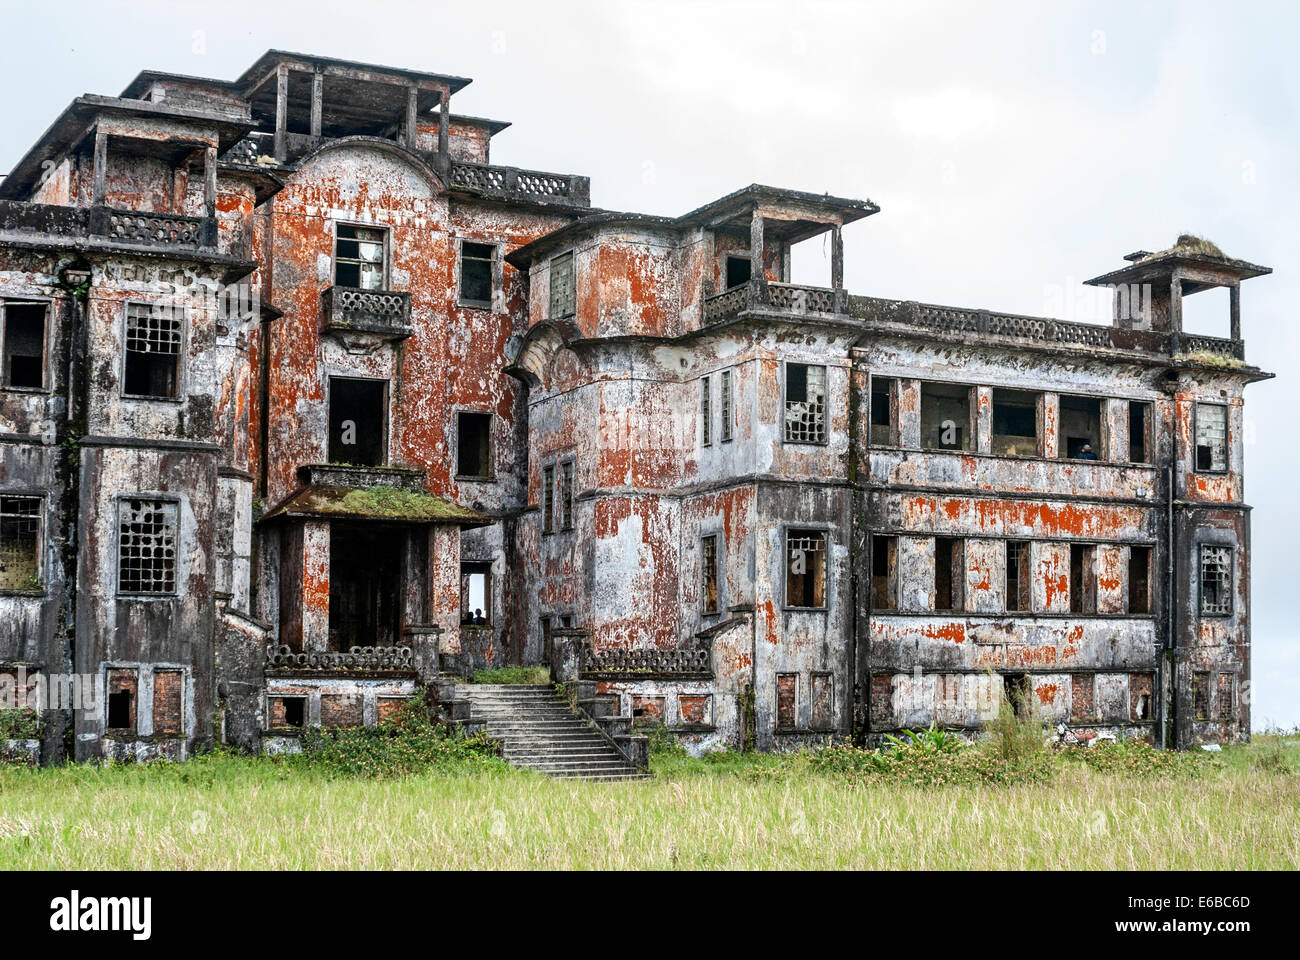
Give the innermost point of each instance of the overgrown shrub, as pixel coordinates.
(514, 675)
(1135, 758)
(1015, 734)
(20, 724)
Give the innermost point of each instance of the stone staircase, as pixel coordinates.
(538, 730)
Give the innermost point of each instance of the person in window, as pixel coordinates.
(1085, 452)
(479, 619)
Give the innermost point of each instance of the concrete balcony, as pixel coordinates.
(109, 226)
(792, 298)
(532, 186)
(350, 312)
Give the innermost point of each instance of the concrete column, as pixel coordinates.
(444, 584)
(444, 116)
(982, 419)
(915, 574)
(317, 101)
(101, 168)
(837, 258)
(1115, 431)
(315, 594)
(986, 576)
(1049, 571)
(281, 111)
(1234, 310)
(756, 272)
(1049, 424)
(210, 182)
(1112, 577)
(412, 99)
(909, 414)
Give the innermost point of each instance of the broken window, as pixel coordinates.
(566, 495)
(358, 421)
(724, 404)
(475, 593)
(20, 543)
(476, 263)
(882, 412)
(168, 687)
(288, 711)
(1018, 582)
(739, 270)
(949, 573)
(945, 416)
(146, 557)
(562, 286)
(1018, 689)
(1083, 581)
(884, 563)
(119, 712)
(1080, 428)
(1211, 437)
(805, 403)
(1139, 432)
(1015, 423)
(706, 413)
(548, 499)
(1227, 696)
(24, 345)
(1139, 580)
(1200, 696)
(787, 691)
(1216, 581)
(153, 352)
(359, 257)
(474, 445)
(709, 569)
(805, 568)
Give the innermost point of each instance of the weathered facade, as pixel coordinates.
(306, 402)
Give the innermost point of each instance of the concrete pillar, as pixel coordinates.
(101, 168)
(1234, 310)
(444, 584)
(444, 116)
(1049, 571)
(756, 273)
(982, 419)
(210, 182)
(315, 593)
(281, 111)
(1049, 424)
(909, 414)
(412, 99)
(837, 258)
(317, 101)
(1112, 577)
(986, 576)
(915, 574)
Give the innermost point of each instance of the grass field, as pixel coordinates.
(736, 811)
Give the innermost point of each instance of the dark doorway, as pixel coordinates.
(738, 271)
(365, 579)
(358, 425)
(1018, 689)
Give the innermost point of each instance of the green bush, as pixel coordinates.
(1136, 758)
(20, 724)
(513, 675)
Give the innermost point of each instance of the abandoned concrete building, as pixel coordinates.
(307, 404)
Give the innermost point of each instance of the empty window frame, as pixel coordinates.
(805, 568)
(1200, 696)
(1018, 689)
(1018, 579)
(883, 419)
(1080, 428)
(288, 712)
(146, 550)
(563, 289)
(706, 412)
(358, 421)
(884, 573)
(805, 403)
(566, 495)
(724, 406)
(23, 336)
(477, 263)
(1139, 431)
(1216, 581)
(20, 544)
(739, 270)
(1227, 706)
(709, 573)
(476, 593)
(474, 445)
(152, 363)
(1083, 578)
(120, 703)
(1015, 423)
(945, 416)
(1211, 438)
(547, 499)
(360, 257)
(949, 573)
(1139, 580)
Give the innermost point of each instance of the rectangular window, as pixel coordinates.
(360, 257)
(724, 404)
(1015, 423)
(945, 416)
(146, 550)
(706, 413)
(562, 286)
(168, 690)
(23, 334)
(153, 352)
(20, 543)
(1227, 697)
(288, 712)
(474, 445)
(548, 499)
(476, 263)
(884, 564)
(358, 421)
(822, 695)
(1200, 696)
(566, 495)
(1211, 438)
(805, 403)
(119, 708)
(1018, 581)
(882, 412)
(1216, 581)
(787, 690)
(475, 594)
(1139, 432)
(805, 568)
(738, 271)
(1083, 580)
(949, 573)
(1080, 428)
(709, 570)
(1139, 580)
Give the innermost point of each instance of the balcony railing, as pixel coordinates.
(364, 660)
(513, 183)
(785, 297)
(121, 226)
(154, 228)
(382, 313)
(678, 663)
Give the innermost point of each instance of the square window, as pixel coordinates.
(288, 712)
(805, 403)
(23, 364)
(20, 543)
(945, 416)
(563, 289)
(805, 568)
(1080, 428)
(153, 352)
(146, 561)
(476, 264)
(1216, 581)
(1211, 438)
(358, 421)
(360, 257)
(739, 270)
(1015, 423)
(474, 445)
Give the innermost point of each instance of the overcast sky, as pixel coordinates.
(1015, 149)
